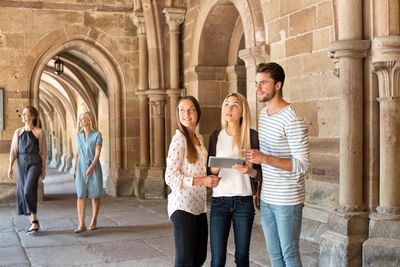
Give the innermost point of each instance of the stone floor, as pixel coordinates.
(131, 232)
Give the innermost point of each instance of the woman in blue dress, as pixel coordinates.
(29, 148)
(88, 175)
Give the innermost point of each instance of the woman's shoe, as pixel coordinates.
(92, 227)
(35, 226)
(80, 230)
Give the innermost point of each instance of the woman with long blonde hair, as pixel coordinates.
(88, 174)
(232, 199)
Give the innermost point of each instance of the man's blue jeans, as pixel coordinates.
(281, 226)
(224, 210)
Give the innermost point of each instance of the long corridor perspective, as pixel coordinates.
(131, 232)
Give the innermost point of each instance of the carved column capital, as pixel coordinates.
(175, 17)
(157, 102)
(138, 20)
(349, 48)
(255, 55)
(388, 73)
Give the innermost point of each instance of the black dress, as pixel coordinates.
(29, 166)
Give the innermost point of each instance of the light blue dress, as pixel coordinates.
(88, 186)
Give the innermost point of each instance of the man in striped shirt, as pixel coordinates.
(285, 158)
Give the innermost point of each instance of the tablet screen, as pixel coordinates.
(220, 162)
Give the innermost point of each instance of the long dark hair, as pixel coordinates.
(34, 113)
(192, 155)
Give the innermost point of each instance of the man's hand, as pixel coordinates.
(255, 156)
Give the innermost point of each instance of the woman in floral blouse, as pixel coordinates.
(186, 175)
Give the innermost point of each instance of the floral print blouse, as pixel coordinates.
(179, 176)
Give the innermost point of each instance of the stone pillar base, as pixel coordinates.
(119, 185)
(153, 186)
(141, 173)
(341, 245)
(383, 246)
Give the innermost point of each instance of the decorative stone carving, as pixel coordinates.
(388, 76)
(157, 108)
(349, 48)
(138, 20)
(175, 17)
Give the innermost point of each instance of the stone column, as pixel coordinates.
(341, 245)
(142, 89)
(252, 57)
(350, 54)
(237, 79)
(174, 17)
(347, 226)
(383, 246)
(154, 185)
(141, 93)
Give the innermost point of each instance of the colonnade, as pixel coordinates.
(152, 104)
(364, 224)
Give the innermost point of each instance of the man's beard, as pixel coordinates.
(267, 97)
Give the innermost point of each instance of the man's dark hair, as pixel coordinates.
(274, 69)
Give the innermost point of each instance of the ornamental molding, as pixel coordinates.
(349, 48)
(385, 48)
(388, 73)
(175, 17)
(138, 20)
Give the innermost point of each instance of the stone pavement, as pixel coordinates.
(131, 232)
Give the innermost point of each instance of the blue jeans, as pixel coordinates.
(281, 226)
(224, 210)
(191, 236)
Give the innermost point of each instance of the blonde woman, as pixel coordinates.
(29, 148)
(186, 175)
(88, 175)
(232, 199)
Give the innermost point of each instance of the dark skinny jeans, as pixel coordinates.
(191, 236)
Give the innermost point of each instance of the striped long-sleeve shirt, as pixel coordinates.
(284, 135)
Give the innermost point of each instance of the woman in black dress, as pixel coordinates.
(29, 148)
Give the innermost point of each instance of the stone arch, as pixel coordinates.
(97, 46)
(250, 15)
(214, 67)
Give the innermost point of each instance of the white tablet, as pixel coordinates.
(221, 162)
